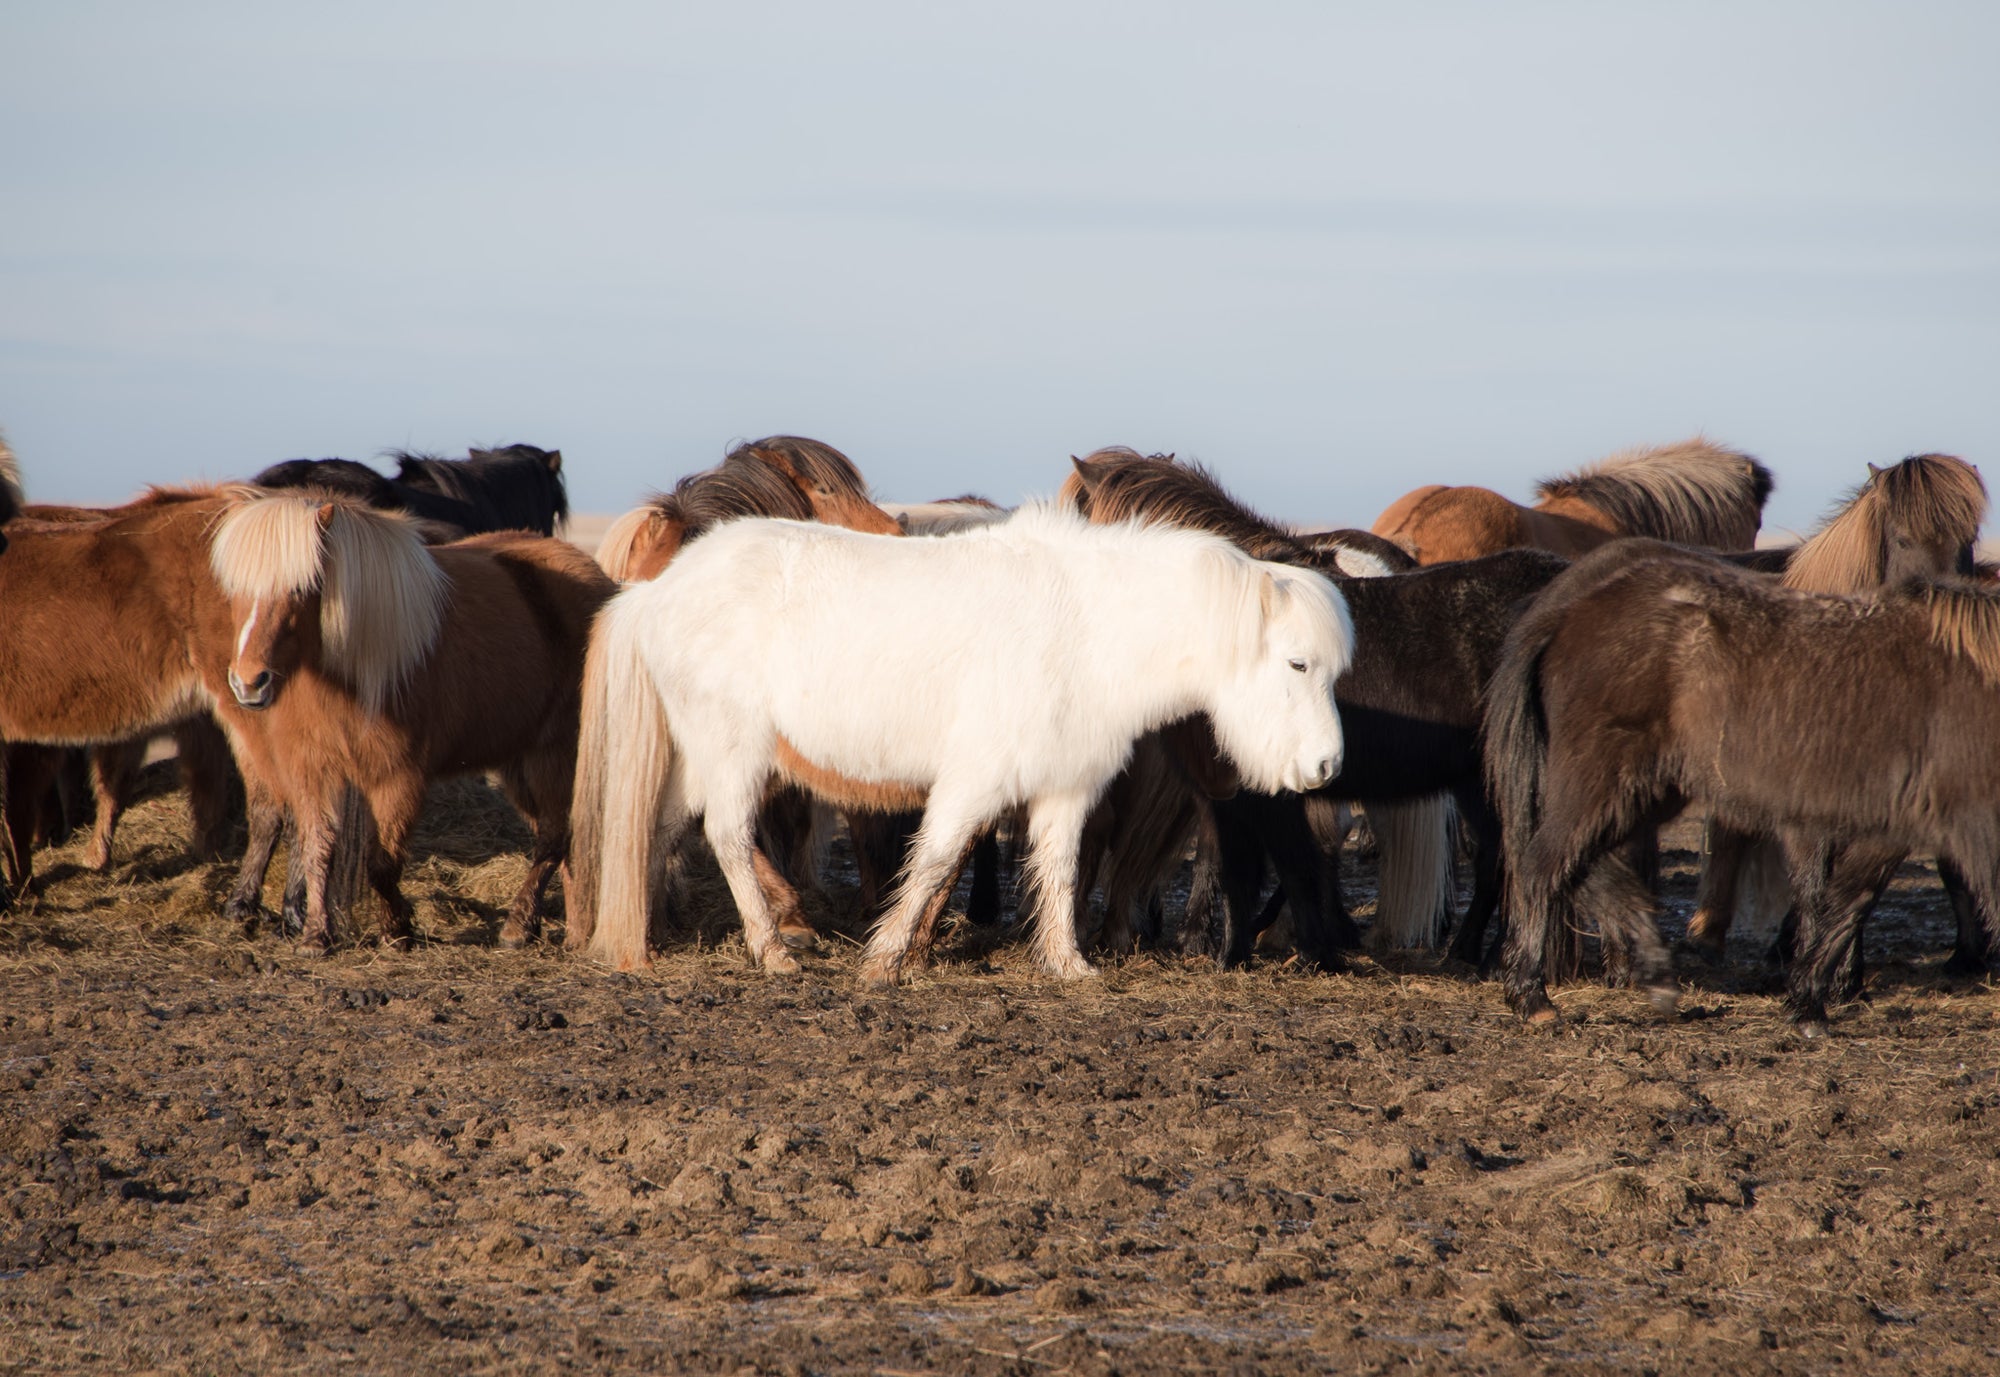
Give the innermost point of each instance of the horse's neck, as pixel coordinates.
(1167, 636)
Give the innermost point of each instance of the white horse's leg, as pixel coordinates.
(731, 825)
(936, 852)
(1055, 834)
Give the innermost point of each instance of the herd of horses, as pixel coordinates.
(1138, 667)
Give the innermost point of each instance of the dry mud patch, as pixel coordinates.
(217, 1155)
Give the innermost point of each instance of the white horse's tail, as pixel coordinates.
(622, 758)
(1415, 844)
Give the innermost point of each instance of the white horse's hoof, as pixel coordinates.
(778, 961)
(878, 975)
(1076, 968)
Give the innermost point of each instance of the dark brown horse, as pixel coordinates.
(1916, 519)
(1649, 677)
(782, 475)
(1694, 493)
(357, 656)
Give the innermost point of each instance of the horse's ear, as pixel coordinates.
(553, 458)
(1269, 595)
(1874, 469)
(1090, 474)
(326, 513)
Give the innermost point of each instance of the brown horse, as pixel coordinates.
(356, 655)
(1693, 493)
(1650, 677)
(783, 476)
(101, 624)
(1916, 519)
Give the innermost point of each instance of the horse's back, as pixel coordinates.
(1438, 524)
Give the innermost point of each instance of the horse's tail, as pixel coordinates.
(623, 755)
(1415, 840)
(1516, 751)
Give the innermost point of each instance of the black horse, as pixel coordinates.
(518, 488)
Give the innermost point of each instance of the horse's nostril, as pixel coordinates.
(262, 681)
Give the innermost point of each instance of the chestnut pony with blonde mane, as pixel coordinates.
(357, 655)
(782, 476)
(966, 674)
(1692, 493)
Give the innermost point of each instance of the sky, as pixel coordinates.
(1335, 251)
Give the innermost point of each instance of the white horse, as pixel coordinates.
(967, 674)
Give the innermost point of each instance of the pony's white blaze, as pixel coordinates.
(249, 625)
(1016, 663)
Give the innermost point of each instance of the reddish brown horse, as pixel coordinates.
(102, 624)
(1692, 493)
(355, 655)
(783, 475)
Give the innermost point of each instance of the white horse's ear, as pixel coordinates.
(1269, 595)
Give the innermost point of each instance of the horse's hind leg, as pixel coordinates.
(267, 823)
(731, 827)
(1715, 899)
(1613, 892)
(936, 852)
(1475, 811)
(383, 826)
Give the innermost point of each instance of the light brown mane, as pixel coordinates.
(1692, 493)
(1928, 495)
(1965, 623)
(382, 595)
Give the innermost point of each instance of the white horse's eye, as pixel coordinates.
(1299, 665)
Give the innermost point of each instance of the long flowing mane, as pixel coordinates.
(1692, 493)
(1117, 484)
(1933, 497)
(382, 596)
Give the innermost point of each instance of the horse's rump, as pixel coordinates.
(1692, 493)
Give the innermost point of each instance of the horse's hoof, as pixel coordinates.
(1702, 949)
(1665, 999)
(799, 938)
(314, 946)
(1075, 969)
(515, 935)
(778, 961)
(1541, 1014)
(877, 975)
(1812, 1029)
(1960, 964)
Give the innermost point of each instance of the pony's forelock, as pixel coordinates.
(382, 595)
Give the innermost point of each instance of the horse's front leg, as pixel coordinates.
(1835, 889)
(1055, 832)
(313, 828)
(1971, 953)
(394, 809)
(266, 816)
(1715, 899)
(937, 851)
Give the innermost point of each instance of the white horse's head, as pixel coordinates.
(1276, 720)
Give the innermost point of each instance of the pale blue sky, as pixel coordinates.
(1334, 250)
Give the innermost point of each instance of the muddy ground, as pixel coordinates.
(217, 1155)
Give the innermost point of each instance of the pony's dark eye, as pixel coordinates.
(1299, 665)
